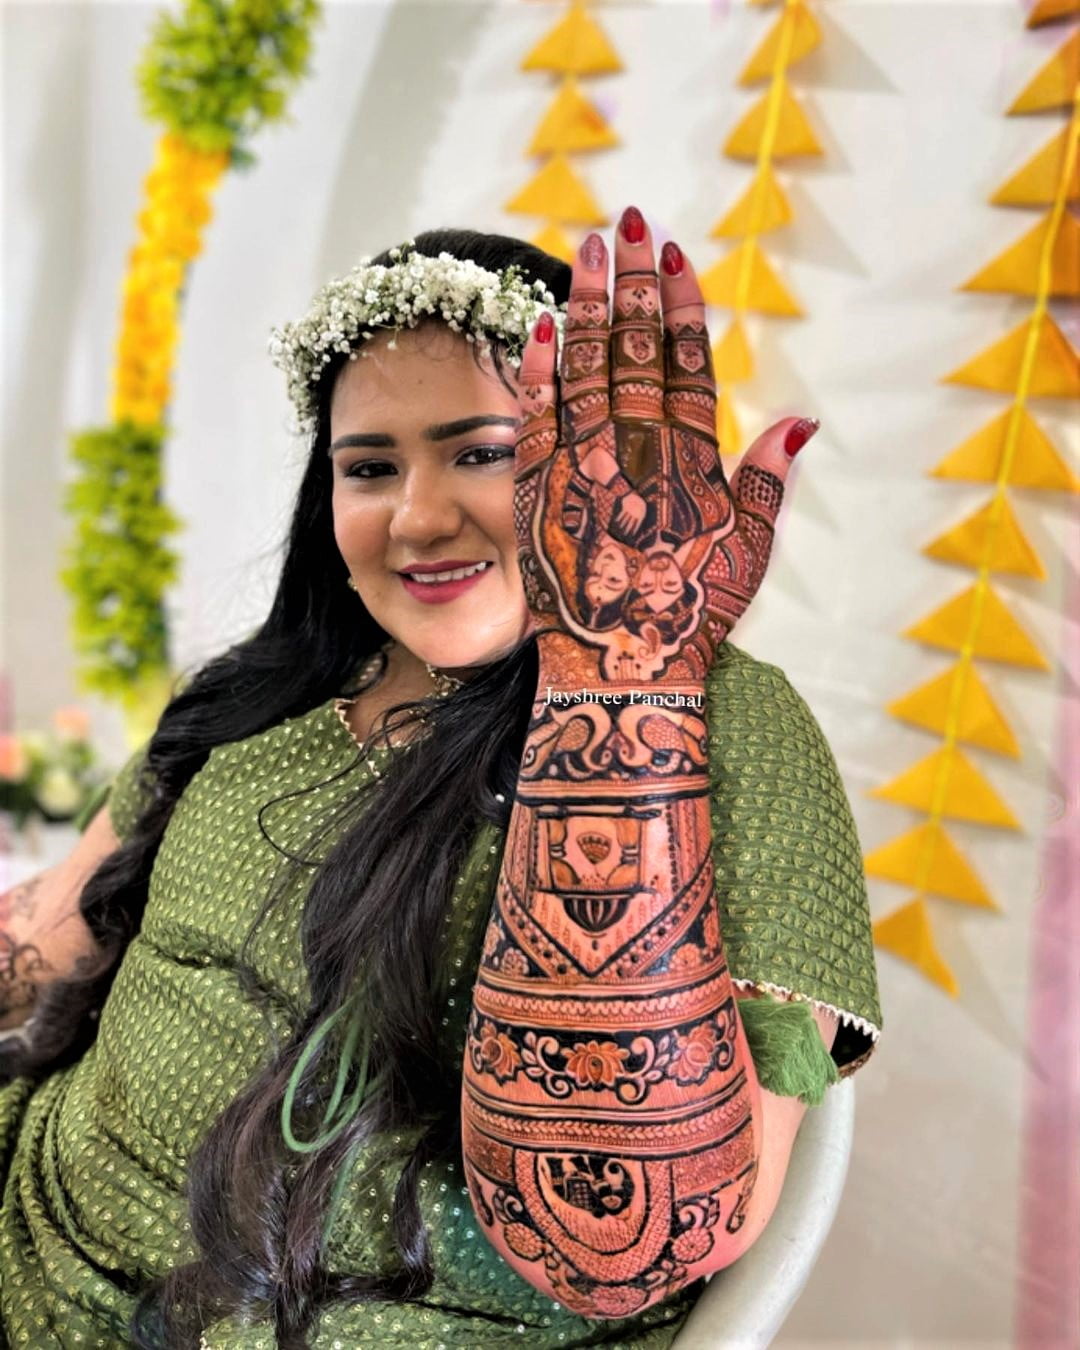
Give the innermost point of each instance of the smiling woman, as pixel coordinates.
(498, 1026)
(424, 487)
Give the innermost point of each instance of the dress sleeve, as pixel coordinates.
(125, 796)
(790, 882)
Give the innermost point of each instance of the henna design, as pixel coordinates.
(19, 902)
(610, 1110)
(22, 970)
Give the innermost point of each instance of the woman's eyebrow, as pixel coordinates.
(441, 431)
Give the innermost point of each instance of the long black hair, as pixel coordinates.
(256, 1214)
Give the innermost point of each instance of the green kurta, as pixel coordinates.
(93, 1158)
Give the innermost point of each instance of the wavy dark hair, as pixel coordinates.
(256, 1213)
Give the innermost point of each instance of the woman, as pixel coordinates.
(364, 846)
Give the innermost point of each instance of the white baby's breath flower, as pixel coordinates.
(485, 305)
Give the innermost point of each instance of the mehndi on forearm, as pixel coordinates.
(611, 1111)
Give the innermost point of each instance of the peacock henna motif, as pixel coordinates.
(611, 1116)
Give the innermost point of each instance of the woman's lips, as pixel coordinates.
(439, 592)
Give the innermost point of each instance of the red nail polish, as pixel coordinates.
(671, 259)
(632, 225)
(592, 252)
(799, 434)
(545, 327)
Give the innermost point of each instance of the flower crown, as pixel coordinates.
(487, 306)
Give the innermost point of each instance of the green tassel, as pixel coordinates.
(337, 1113)
(789, 1055)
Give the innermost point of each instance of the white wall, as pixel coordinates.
(416, 115)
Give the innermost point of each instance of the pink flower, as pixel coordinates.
(13, 760)
(72, 722)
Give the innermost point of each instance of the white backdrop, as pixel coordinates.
(416, 115)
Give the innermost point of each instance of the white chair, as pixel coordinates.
(744, 1306)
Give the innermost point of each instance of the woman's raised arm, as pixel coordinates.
(612, 1117)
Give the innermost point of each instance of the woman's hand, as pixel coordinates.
(636, 555)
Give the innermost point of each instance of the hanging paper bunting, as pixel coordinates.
(744, 280)
(992, 538)
(792, 136)
(907, 934)
(782, 48)
(946, 783)
(998, 637)
(762, 207)
(1035, 462)
(1054, 85)
(1047, 11)
(572, 124)
(1044, 177)
(773, 128)
(575, 46)
(976, 719)
(1017, 270)
(926, 858)
(1056, 367)
(558, 193)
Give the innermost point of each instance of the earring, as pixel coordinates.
(351, 584)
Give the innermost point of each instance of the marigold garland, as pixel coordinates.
(214, 73)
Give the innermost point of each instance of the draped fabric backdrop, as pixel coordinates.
(416, 115)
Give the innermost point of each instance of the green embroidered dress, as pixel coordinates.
(93, 1157)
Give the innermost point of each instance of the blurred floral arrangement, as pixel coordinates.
(213, 74)
(49, 776)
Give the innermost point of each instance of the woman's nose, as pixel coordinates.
(425, 511)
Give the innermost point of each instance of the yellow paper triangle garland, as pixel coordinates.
(977, 719)
(806, 35)
(575, 46)
(1047, 11)
(762, 207)
(1055, 84)
(927, 859)
(571, 123)
(998, 637)
(946, 783)
(733, 361)
(557, 193)
(1016, 271)
(1039, 181)
(793, 136)
(1055, 372)
(907, 934)
(1035, 463)
(990, 537)
(744, 280)
(554, 240)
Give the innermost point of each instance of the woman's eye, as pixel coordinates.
(487, 454)
(368, 468)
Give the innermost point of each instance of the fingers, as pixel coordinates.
(585, 360)
(689, 384)
(637, 360)
(538, 434)
(758, 484)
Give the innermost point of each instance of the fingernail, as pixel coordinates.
(671, 259)
(632, 225)
(592, 252)
(799, 434)
(545, 327)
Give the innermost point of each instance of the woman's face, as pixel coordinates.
(608, 577)
(422, 446)
(660, 582)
